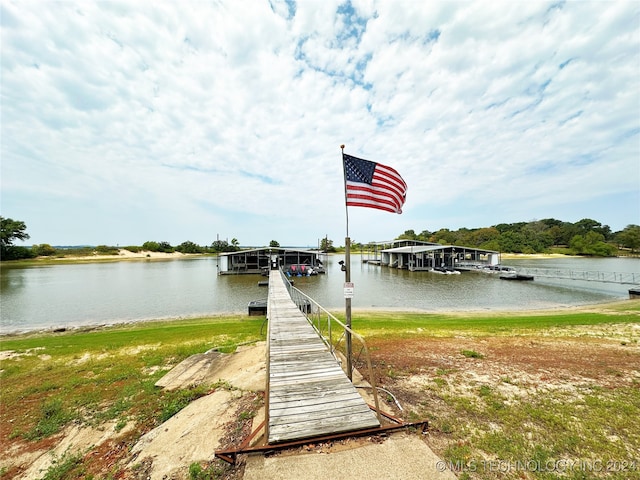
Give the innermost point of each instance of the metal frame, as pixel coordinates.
(230, 455)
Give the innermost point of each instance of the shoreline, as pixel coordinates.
(242, 316)
(124, 254)
(45, 326)
(499, 375)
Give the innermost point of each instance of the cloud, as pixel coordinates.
(227, 118)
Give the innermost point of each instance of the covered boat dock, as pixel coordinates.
(259, 260)
(425, 256)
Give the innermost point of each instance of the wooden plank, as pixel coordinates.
(310, 408)
(319, 391)
(309, 394)
(317, 416)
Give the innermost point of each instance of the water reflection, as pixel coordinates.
(96, 293)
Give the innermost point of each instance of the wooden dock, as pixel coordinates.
(308, 393)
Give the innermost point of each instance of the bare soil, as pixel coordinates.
(608, 356)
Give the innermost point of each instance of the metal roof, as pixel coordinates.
(432, 248)
(270, 249)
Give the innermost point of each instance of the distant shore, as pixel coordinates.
(536, 255)
(121, 255)
(124, 254)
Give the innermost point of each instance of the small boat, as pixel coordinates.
(499, 269)
(301, 270)
(516, 276)
(445, 271)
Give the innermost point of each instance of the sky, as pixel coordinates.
(125, 122)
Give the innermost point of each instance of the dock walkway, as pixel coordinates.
(308, 393)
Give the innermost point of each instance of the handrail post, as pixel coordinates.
(352, 335)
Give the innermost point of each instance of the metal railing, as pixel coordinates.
(588, 276)
(332, 332)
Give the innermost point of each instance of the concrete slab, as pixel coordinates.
(401, 456)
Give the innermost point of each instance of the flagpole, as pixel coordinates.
(347, 274)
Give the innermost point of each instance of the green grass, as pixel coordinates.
(107, 374)
(53, 415)
(471, 354)
(373, 324)
(66, 466)
(211, 332)
(548, 427)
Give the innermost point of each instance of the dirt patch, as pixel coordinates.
(515, 365)
(74, 438)
(190, 436)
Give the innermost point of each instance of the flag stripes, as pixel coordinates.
(373, 185)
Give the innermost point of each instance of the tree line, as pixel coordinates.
(585, 237)
(12, 230)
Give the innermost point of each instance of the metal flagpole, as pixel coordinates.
(346, 267)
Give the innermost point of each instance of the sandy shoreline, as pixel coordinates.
(594, 307)
(145, 254)
(124, 255)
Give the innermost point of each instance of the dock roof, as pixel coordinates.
(432, 248)
(271, 249)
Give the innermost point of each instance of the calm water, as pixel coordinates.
(98, 293)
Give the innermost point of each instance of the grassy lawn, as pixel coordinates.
(519, 390)
(50, 381)
(550, 395)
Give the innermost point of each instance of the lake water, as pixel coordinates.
(54, 296)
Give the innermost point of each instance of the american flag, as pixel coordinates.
(373, 185)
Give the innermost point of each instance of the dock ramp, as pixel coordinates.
(308, 393)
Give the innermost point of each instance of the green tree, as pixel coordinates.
(274, 243)
(408, 235)
(107, 250)
(587, 225)
(165, 247)
(511, 242)
(158, 247)
(482, 236)
(356, 246)
(592, 244)
(444, 236)
(424, 235)
(536, 237)
(151, 246)
(630, 237)
(223, 246)
(326, 245)
(11, 230)
(43, 250)
(189, 247)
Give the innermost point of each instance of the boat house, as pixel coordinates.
(414, 255)
(258, 260)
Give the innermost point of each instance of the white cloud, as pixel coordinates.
(180, 121)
